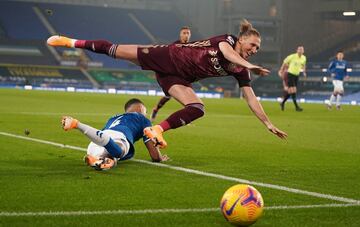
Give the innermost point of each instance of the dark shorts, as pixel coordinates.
(158, 59)
(292, 80)
(166, 81)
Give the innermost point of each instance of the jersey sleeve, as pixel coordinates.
(230, 39)
(287, 60)
(243, 78)
(147, 123)
(331, 67)
(304, 60)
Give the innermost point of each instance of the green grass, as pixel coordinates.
(322, 154)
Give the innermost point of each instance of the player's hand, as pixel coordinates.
(277, 132)
(259, 70)
(332, 74)
(304, 73)
(164, 158)
(346, 77)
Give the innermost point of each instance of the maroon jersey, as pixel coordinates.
(203, 59)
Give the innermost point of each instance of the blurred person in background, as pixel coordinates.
(294, 63)
(338, 71)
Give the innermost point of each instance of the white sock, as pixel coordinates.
(95, 135)
(73, 42)
(332, 99)
(338, 100)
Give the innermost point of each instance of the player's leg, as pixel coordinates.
(285, 89)
(332, 99)
(159, 105)
(340, 89)
(124, 52)
(96, 136)
(293, 94)
(193, 109)
(290, 84)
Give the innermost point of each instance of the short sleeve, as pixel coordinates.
(304, 60)
(331, 66)
(230, 39)
(243, 78)
(288, 59)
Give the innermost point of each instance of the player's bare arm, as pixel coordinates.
(231, 55)
(282, 69)
(258, 110)
(155, 153)
(304, 71)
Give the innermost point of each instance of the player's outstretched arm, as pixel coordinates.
(231, 55)
(155, 153)
(257, 109)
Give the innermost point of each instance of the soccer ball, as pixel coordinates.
(242, 205)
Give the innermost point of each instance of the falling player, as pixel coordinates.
(338, 70)
(115, 142)
(184, 37)
(179, 65)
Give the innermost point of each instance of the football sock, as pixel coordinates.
(162, 102)
(332, 98)
(338, 99)
(293, 96)
(286, 97)
(95, 135)
(184, 116)
(97, 46)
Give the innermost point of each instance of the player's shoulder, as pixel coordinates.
(138, 115)
(289, 57)
(231, 39)
(292, 55)
(116, 116)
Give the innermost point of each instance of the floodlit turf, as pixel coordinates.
(322, 154)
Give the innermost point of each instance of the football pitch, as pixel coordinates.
(311, 179)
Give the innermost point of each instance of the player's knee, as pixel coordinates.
(197, 108)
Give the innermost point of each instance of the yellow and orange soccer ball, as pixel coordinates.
(242, 205)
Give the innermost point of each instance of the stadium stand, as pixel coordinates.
(27, 25)
(125, 79)
(43, 76)
(350, 46)
(22, 45)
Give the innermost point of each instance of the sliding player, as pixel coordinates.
(179, 65)
(184, 37)
(115, 142)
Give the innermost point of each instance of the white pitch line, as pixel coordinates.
(158, 211)
(202, 173)
(57, 114)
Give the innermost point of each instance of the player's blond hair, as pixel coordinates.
(246, 29)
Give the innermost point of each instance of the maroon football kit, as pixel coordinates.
(186, 63)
